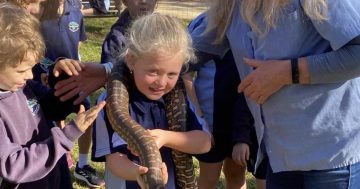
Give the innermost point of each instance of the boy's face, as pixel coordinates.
(139, 7)
(155, 75)
(14, 78)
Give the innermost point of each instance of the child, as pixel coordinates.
(63, 29)
(31, 152)
(228, 117)
(114, 42)
(154, 56)
(96, 7)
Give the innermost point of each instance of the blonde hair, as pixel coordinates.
(156, 33)
(220, 13)
(19, 34)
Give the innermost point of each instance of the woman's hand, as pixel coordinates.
(267, 78)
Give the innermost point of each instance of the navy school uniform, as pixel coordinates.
(114, 42)
(225, 110)
(62, 37)
(151, 115)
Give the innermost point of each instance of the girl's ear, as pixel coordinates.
(130, 60)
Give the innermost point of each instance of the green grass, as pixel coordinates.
(90, 51)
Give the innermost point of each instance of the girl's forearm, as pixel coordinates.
(192, 142)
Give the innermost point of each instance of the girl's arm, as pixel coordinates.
(192, 142)
(122, 167)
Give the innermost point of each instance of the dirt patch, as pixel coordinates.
(185, 9)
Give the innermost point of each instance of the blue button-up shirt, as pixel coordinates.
(304, 127)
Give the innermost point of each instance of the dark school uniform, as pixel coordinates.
(151, 115)
(115, 39)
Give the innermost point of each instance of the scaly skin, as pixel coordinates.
(117, 107)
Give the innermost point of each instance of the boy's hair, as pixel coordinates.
(19, 34)
(22, 3)
(156, 33)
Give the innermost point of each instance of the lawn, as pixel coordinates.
(90, 51)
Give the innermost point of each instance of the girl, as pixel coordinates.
(157, 48)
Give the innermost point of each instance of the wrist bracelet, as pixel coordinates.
(295, 71)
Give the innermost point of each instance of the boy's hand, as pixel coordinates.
(241, 153)
(69, 66)
(85, 119)
(91, 78)
(160, 137)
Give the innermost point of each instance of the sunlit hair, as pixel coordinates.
(220, 13)
(19, 34)
(157, 33)
(22, 3)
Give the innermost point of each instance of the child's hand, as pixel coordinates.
(142, 170)
(159, 136)
(69, 66)
(85, 119)
(241, 153)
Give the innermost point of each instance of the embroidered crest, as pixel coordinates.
(46, 63)
(33, 105)
(73, 26)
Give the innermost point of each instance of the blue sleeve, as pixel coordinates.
(342, 23)
(203, 41)
(112, 46)
(341, 26)
(195, 121)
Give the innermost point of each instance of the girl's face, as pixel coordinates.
(155, 75)
(139, 7)
(14, 78)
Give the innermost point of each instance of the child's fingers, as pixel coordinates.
(92, 112)
(164, 172)
(78, 65)
(81, 110)
(70, 66)
(142, 170)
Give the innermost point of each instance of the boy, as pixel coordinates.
(31, 152)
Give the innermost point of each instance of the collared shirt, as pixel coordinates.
(151, 115)
(304, 127)
(62, 37)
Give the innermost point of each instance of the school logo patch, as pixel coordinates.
(33, 105)
(73, 26)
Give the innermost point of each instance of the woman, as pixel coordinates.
(298, 62)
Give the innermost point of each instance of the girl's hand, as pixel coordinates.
(241, 153)
(85, 119)
(160, 137)
(69, 66)
(267, 78)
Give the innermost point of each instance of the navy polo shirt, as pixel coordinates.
(62, 37)
(148, 113)
(115, 39)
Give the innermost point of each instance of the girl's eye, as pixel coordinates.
(153, 73)
(172, 75)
